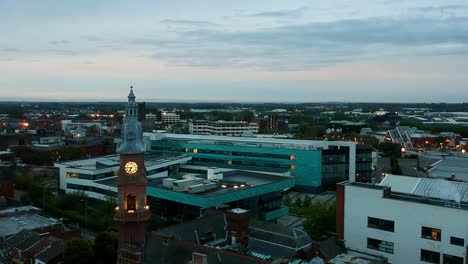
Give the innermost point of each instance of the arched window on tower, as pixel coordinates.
(131, 202)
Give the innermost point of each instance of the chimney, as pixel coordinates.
(198, 258)
(237, 226)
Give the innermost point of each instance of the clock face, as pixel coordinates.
(131, 167)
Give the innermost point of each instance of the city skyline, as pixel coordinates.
(267, 51)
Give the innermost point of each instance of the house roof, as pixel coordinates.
(24, 239)
(168, 251)
(52, 251)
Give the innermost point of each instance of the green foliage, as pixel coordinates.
(30, 156)
(338, 116)
(105, 247)
(373, 141)
(307, 201)
(395, 167)
(287, 201)
(247, 116)
(309, 131)
(13, 111)
(298, 202)
(320, 219)
(78, 251)
(390, 149)
(69, 153)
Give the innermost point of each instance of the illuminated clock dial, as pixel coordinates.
(131, 167)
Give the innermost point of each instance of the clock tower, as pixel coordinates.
(132, 211)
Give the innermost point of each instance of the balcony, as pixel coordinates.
(131, 216)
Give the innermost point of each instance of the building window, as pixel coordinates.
(131, 202)
(293, 167)
(380, 245)
(431, 233)
(430, 256)
(457, 241)
(72, 175)
(449, 259)
(381, 224)
(195, 151)
(292, 157)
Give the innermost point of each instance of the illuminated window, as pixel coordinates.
(195, 151)
(72, 175)
(230, 162)
(293, 167)
(431, 233)
(292, 157)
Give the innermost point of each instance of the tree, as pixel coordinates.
(298, 202)
(338, 116)
(105, 247)
(69, 153)
(247, 116)
(320, 219)
(307, 201)
(392, 150)
(287, 201)
(395, 167)
(78, 251)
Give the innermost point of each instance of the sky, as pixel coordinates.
(235, 51)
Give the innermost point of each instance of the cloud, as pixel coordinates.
(298, 12)
(59, 42)
(193, 23)
(312, 45)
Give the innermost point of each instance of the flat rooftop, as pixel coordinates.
(250, 179)
(255, 184)
(426, 187)
(114, 161)
(14, 224)
(251, 141)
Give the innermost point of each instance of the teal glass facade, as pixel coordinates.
(304, 165)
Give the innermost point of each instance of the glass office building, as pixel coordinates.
(314, 165)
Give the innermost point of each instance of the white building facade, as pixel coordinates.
(91, 176)
(222, 128)
(168, 118)
(406, 219)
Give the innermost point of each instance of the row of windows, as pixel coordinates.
(246, 163)
(426, 255)
(243, 154)
(89, 189)
(434, 257)
(426, 232)
(90, 176)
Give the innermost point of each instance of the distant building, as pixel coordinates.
(406, 219)
(314, 164)
(141, 111)
(6, 181)
(221, 128)
(151, 116)
(411, 137)
(169, 119)
(451, 168)
(273, 123)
